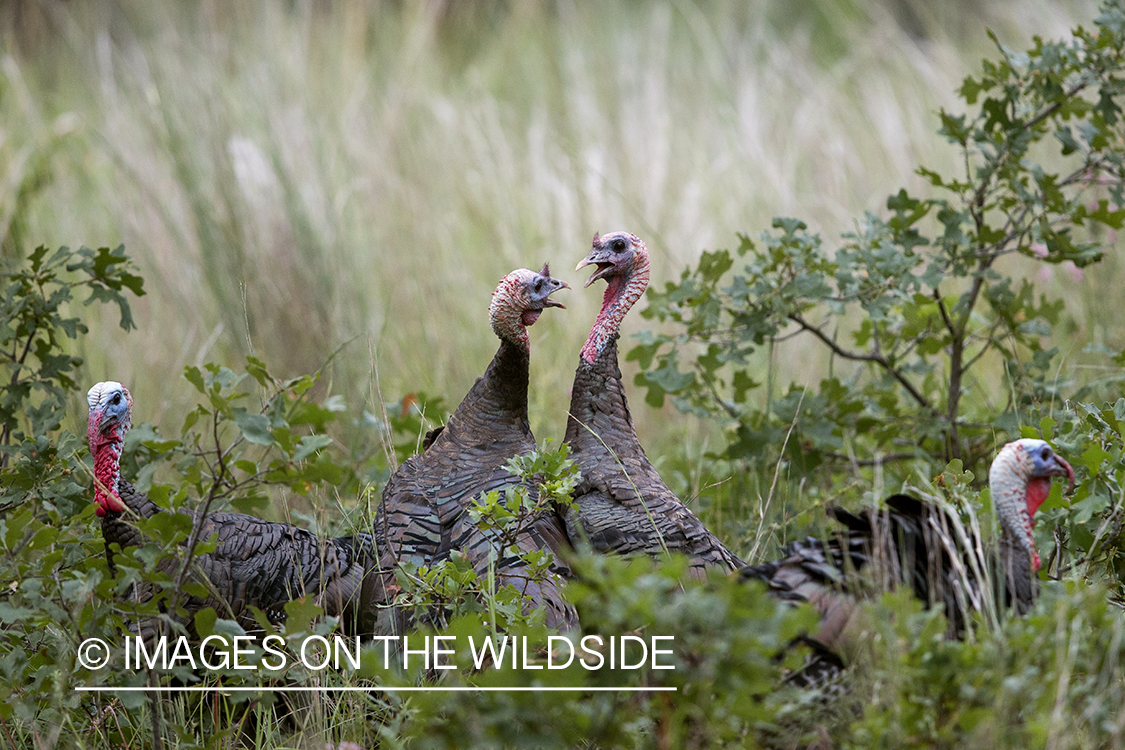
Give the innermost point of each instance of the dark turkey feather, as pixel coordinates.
(258, 563)
(623, 504)
(913, 543)
(424, 516)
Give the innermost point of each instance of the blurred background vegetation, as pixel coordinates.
(293, 176)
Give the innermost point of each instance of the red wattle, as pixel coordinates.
(1037, 490)
(105, 448)
(603, 325)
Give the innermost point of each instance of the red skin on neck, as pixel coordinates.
(621, 293)
(106, 449)
(1037, 490)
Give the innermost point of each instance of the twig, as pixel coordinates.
(8, 732)
(944, 313)
(154, 710)
(776, 473)
(201, 517)
(887, 458)
(988, 344)
(856, 356)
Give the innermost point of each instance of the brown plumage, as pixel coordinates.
(918, 544)
(423, 518)
(255, 563)
(623, 504)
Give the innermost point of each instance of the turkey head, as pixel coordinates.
(519, 300)
(1020, 480)
(622, 260)
(111, 415)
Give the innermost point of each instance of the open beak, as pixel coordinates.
(552, 303)
(106, 421)
(604, 267)
(546, 301)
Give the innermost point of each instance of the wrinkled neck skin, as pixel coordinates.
(621, 293)
(1016, 501)
(508, 325)
(106, 449)
(599, 413)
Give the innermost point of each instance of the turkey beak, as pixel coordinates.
(552, 303)
(540, 298)
(604, 267)
(106, 420)
(1063, 469)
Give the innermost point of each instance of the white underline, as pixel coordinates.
(376, 689)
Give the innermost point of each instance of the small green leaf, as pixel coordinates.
(255, 427)
(309, 444)
(205, 621)
(1094, 457)
(195, 377)
(1047, 427)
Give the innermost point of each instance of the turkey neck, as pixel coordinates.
(1009, 496)
(1016, 570)
(106, 448)
(498, 400)
(496, 404)
(597, 402)
(621, 293)
(500, 395)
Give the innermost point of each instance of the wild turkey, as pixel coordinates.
(919, 544)
(623, 504)
(255, 563)
(423, 518)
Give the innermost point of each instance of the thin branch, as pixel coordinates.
(884, 459)
(857, 357)
(995, 247)
(719, 399)
(764, 507)
(944, 313)
(201, 517)
(1047, 112)
(968, 365)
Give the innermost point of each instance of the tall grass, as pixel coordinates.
(295, 176)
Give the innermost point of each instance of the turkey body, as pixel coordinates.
(918, 544)
(255, 563)
(424, 516)
(908, 542)
(624, 506)
(262, 564)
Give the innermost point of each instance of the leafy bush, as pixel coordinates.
(33, 329)
(917, 302)
(51, 597)
(450, 588)
(60, 589)
(1053, 678)
(939, 342)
